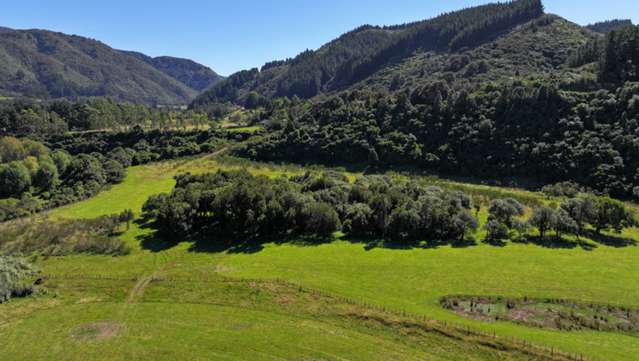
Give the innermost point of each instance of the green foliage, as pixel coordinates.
(605, 27)
(502, 218)
(70, 66)
(14, 179)
(612, 215)
(360, 53)
(620, 56)
(37, 119)
(13, 272)
(544, 219)
(239, 204)
(50, 237)
(534, 132)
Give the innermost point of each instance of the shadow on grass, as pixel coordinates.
(611, 240)
(371, 243)
(495, 242)
(158, 241)
(554, 242)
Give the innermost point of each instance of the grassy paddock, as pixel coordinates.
(401, 280)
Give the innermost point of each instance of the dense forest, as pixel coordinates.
(517, 129)
(43, 64)
(367, 49)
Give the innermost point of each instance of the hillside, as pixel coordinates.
(195, 76)
(490, 42)
(45, 64)
(608, 26)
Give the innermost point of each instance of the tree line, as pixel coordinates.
(240, 205)
(27, 118)
(574, 216)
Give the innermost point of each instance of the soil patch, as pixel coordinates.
(96, 331)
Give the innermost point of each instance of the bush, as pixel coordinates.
(320, 219)
(60, 238)
(13, 275)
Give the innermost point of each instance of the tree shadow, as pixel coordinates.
(495, 242)
(155, 241)
(371, 243)
(553, 242)
(611, 240)
(206, 242)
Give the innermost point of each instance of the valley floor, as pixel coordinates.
(341, 300)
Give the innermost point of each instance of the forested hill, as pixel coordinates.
(45, 64)
(605, 27)
(194, 75)
(370, 50)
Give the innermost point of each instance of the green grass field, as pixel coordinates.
(175, 302)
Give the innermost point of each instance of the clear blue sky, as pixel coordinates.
(230, 35)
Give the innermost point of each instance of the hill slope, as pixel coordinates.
(194, 75)
(605, 27)
(45, 64)
(512, 39)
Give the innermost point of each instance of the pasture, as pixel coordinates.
(176, 300)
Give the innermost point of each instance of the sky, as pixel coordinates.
(232, 35)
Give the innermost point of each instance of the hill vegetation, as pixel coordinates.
(605, 27)
(45, 64)
(157, 246)
(368, 49)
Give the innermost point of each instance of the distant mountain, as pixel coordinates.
(194, 75)
(46, 64)
(605, 27)
(486, 43)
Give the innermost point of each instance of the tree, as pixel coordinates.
(14, 179)
(321, 219)
(404, 223)
(122, 156)
(610, 214)
(581, 210)
(46, 176)
(501, 217)
(564, 223)
(62, 161)
(496, 230)
(358, 219)
(126, 216)
(85, 168)
(462, 223)
(11, 149)
(114, 171)
(543, 218)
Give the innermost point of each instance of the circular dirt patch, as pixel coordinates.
(97, 331)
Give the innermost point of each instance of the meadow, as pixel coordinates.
(299, 301)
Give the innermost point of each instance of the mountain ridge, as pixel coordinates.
(359, 54)
(46, 64)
